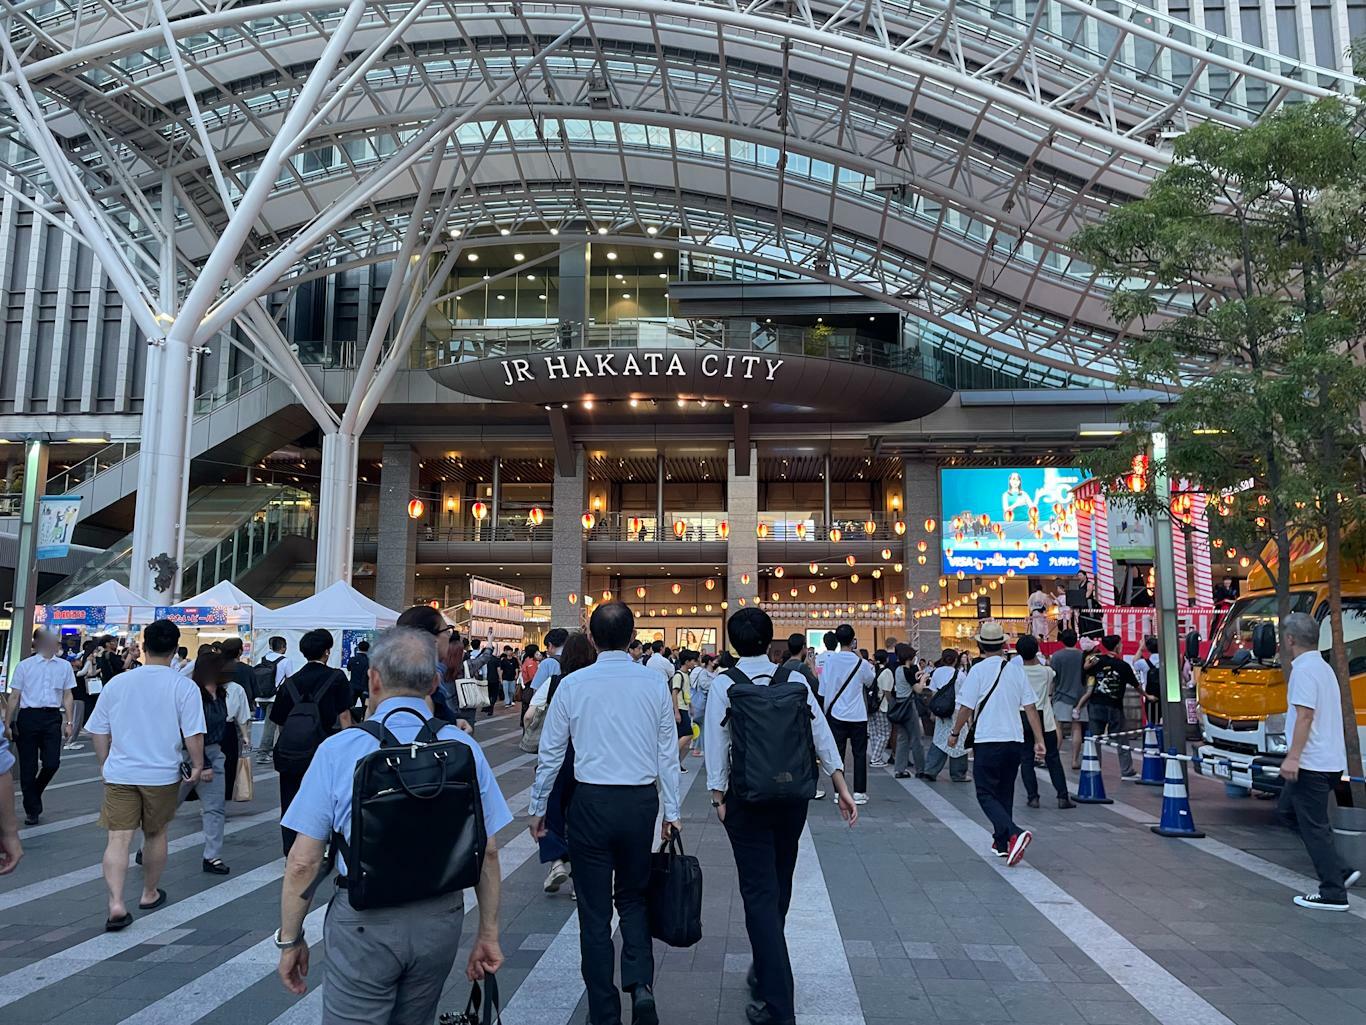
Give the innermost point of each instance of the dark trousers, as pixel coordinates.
(1303, 806)
(1050, 759)
(856, 734)
(231, 753)
(1107, 719)
(289, 787)
(39, 740)
(995, 766)
(764, 838)
(611, 830)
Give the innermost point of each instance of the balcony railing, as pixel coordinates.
(810, 527)
(675, 527)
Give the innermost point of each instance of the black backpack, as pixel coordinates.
(417, 823)
(263, 678)
(303, 729)
(945, 700)
(772, 750)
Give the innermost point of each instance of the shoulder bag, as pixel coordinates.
(535, 720)
(945, 699)
(903, 709)
(971, 738)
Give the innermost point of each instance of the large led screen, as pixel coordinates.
(1017, 518)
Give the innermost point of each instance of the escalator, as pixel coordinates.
(246, 533)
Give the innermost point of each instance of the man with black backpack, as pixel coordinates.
(312, 705)
(765, 735)
(267, 676)
(427, 807)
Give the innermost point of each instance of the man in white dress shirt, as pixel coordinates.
(1315, 761)
(620, 718)
(41, 711)
(845, 675)
(764, 836)
(659, 662)
(550, 665)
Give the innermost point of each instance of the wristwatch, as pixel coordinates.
(291, 944)
(715, 803)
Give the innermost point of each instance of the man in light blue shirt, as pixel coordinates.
(550, 665)
(385, 965)
(621, 719)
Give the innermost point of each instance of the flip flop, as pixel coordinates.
(161, 899)
(115, 924)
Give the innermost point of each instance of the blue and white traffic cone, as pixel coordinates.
(1152, 775)
(1091, 788)
(1176, 803)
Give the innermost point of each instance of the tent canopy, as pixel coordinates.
(227, 594)
(340, 606)
(109, 593)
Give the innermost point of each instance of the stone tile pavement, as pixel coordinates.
(903, 920)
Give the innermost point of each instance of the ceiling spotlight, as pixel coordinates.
(519, 257)
(541, 296)
(455, 233)
(635, 403)
(587, 403)
(474, 257)
(611, 255)
(602, 231)
(621, 277)
(554, 231)
(658, 255)
(504, 232)
(626, 295)
(652, 230)
(501, 297)
(531, 277)
(487, 278)
(663, 277)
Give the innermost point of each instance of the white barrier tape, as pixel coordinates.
(1266, 770)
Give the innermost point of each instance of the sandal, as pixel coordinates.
(216, 866)
(115, 924)
(161, 899)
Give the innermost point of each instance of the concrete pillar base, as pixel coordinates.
(919, 502)
(396, 562)
(568, 548)
(337, 509)
(742, 548)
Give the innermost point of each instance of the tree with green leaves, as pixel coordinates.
(1244, 271)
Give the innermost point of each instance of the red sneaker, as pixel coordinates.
(1018, 843)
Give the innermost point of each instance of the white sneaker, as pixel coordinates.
(559, 875)
(820, 795)
(860, 798)
(1018, 843)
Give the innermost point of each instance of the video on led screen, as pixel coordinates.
(1004, 518)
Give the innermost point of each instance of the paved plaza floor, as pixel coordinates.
(904, 919)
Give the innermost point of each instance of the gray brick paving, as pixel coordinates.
(930, 931)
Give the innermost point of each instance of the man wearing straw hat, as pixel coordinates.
(994, 694)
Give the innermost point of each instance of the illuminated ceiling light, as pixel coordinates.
(602, 231)
(652, 230)
(501, 297)
(587, 403)
(505, 232)
(626, 295)
(554, 231)
(455, 233)
(657, 255)
(621, 277)
(611, 255)
(663, 276)
(519, 257)
(473, 258)
(531, 277)
(541, 296)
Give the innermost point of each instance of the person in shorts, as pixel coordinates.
(138, 727)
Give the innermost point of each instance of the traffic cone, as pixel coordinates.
(1091, 788)
(1176, 804)
(1152, 775)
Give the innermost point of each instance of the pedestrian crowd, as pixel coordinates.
(385, 793)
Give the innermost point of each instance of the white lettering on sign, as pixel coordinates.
(655, 364)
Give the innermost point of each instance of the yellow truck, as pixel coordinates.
(1241, 685)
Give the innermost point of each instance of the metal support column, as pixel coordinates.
(26, 564)
(1168, 631)
(826, 509)
(659, 496)
(495, 502)
(337, 509)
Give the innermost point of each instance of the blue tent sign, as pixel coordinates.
(193, 615)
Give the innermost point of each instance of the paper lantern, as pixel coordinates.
(778, 572)
(853, 579)
(835, 584)
(709, 584)
(886, 554)
(480, 510)
(635, 524)
(869, 527)
(535, 516)
(694, 610)
(900, 527)
(835, 535)
(573, 598)
(469, 604)
(588, 519)
(897, 566)
(801, 531)
(606, 595)
(775, 595)
(640, 592)
(676, 588)
(811, 588)
(416, 508)
(725, 605)
(744, 578)
(536, 600)
(723, 530)
(793, 592)
(761, 531)
(849, 560)
(929, 526)
(877, 574)
(680, 528)
(812, 567)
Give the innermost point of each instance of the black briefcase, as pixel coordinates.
(675, 896)
(491, 1012)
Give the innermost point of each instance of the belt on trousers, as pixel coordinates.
(616, 786)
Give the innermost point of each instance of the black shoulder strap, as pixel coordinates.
(995, 683)
(737, 676)
(379, 731)
(292, 689)
(554, 685)
(844, 686)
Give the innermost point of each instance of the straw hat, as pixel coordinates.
(991, 634)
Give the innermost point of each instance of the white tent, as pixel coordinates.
(339, 608)
(242, 607)
(121, 605)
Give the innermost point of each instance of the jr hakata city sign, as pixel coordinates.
(599, 365)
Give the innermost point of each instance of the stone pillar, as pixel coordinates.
(742, 515)
(568, 545)
(919, 502)
(396, 556)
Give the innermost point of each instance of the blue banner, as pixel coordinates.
(193, 615)
(57, 518)
(1018, 518)
(71, 615)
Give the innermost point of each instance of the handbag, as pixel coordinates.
(244, 783)
(471, 693)
(674, 898)
(482, 1008)
(971, 737)
(535, 721)
(903, 710)
(945, 699)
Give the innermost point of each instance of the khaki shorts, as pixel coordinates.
(132, 807)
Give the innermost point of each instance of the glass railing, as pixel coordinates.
(808, 526)
(675, 527)
(515, 526)
(79, 473)
(234, 388)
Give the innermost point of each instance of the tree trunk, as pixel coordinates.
(1338, 650)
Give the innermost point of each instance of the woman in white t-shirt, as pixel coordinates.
(941, 751)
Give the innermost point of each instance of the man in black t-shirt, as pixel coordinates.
(1107, 676)
(316, 681)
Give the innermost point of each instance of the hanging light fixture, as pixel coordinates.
(900, 527)
(680, 528)
(573, 598)
(778, 572)
(636, 525)
(535, 516)
(793, 592)
(929, 525)
(416, 508)
(877, 574)
(588, 520)
(761, 531)
(801, 531)
(811, 588)
(870, 526)
(853, 579)
(849, 560)
(835, 584)
(812, 567)
(536, 600)
(723, 530)
(640, 592)
(676, 588)
(744, 578)
(886, 554)
(606, 595)
(709, 584)
(479, 510)
(836, 535)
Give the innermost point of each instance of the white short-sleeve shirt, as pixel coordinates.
(42, 682)
(1313, 684)
(999, 719)
(145, 712)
